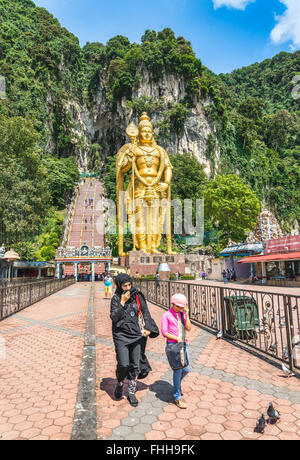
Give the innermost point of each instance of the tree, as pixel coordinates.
(277, 129)
(232, 207)
(62, 176)
(24, 194)
(189, 179)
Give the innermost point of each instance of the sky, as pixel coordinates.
(225, 34)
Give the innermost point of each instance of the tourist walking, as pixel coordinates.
(224, 274)
(173, 326)
(228, 274)
(157, 277)
(233, 274)
(108, 286)
(131, 326)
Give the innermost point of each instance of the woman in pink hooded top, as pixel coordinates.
(172, 329)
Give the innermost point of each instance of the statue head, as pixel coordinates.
(145, 129)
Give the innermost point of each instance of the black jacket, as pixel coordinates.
(125, 326)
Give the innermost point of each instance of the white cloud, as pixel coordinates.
(237, 4)
(288, 27)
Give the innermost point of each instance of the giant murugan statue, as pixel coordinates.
(148, 195)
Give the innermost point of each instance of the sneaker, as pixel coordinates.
(180, 403)
(119, 391)
(132, 400)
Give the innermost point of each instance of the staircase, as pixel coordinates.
(86, 228)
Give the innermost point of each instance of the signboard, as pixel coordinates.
(286, 244)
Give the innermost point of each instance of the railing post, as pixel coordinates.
(169, 294)
(288, 332)
(30, 294)
(1, 302)
(19, 297)
(189, 300)
(292, 329)
(223, 315)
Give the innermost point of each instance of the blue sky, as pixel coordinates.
(225, 34)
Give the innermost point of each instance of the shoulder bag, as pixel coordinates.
(176, 353)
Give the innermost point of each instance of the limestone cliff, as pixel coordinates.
(101, 122)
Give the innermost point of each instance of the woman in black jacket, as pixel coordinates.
(131, 326)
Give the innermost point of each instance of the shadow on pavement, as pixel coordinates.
(163, 390)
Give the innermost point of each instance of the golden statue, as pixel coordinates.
(148, 196)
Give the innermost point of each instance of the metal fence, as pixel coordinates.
(18, 297)
(266, 322)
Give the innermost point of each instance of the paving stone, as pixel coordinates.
(149, 419)
(161, 403)
(122, 431)
(143, 428)
(130, 421)
(155, 411)
(138, 413)
(135, 437)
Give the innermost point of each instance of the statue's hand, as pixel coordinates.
(161, 187)
(130, 153)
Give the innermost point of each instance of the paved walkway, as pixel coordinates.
(49, 370)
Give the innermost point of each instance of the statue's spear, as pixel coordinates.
(132, 132)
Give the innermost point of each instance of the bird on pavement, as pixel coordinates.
(273, 414)
(287, 372)
(261, 424)
(220, 335)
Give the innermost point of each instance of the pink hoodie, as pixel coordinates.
(169, 324)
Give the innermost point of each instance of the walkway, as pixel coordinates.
(46, 377)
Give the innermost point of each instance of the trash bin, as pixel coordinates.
(242, 316)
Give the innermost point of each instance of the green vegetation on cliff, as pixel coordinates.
(47, 74)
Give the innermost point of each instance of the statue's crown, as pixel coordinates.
(144, 117)
(145, 121)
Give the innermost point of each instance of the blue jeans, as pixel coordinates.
(179, 375)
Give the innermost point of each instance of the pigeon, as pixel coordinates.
(273, 414)
(273, 347)
(220, 335)
(286, 353)
(260, 424)
(287, 372)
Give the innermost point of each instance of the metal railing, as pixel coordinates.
(265, 321)
(91, 252)
(18, 297)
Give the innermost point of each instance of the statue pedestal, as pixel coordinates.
(147, 264)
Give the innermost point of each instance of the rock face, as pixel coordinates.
(104, 124)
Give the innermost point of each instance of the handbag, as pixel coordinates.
(141, 320)
(176, 353)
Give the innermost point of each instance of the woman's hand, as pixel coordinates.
(186, 311)
(125, 297)
(146, 333)
(179, 340)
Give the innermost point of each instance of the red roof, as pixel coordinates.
(270, 258)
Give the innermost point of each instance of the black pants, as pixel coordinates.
(128, 358)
